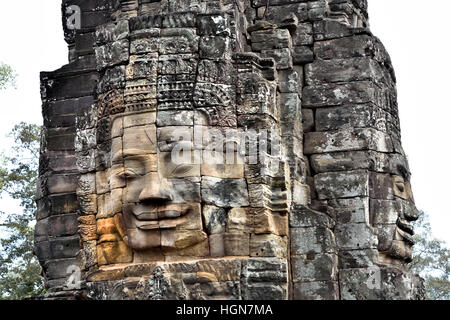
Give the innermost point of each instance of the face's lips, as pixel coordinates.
(406, 236)
(157, 218)
(148, 225)
(147, 216)
(405, 226)
(169, 214)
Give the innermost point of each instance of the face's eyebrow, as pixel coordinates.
(135, 154)
(116, 157)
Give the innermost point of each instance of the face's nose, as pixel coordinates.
(411, 213)
(155, 189)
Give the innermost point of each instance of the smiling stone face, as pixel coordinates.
(393, 219)
(161, 199)
(225, 149)
(188, 163)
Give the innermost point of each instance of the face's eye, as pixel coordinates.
(127, 174)
(181, 169)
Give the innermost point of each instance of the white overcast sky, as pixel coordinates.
(417, 40)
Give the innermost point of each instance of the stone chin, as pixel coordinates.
(401, 248)
(163, 227)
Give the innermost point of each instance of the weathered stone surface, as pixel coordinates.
(342, 48)
(342, 70)
(314, 267)
(334, 185)
(132, 201)
(375, 283)
(318, 290)
(270, 39)
(302, 55)
(364, 258)
(225, 193)
(268, 246)
(337, 94)
(312, 240)
(355, 236)
(347, 140)
(303, 217)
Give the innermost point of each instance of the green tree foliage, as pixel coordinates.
(19, 269)
(431, 261)
(7, 76)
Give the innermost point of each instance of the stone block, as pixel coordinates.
(238, 220)
(302, 55)
(215, 25)
(215, 47)
(236, 244)
(347, 140)
(143, 67)
(225, 165)
(312, 240)
(225, 193)
(43, 209)
(352, 210)
(347, 184)
(42, 251)
(63, 248)
(338, 94)
(314, 267)
(112, 32)
(384, 211)
(175, 118)
(268, 245)
(113, 252)
(215, 219)
(356, 116)
(308, 120)
(377, 283)
(364, 258)
(343, 48)
(303, 35)
(317, 290)
(69, 87)
(282, 57)
(67, 203)
(270, 39)
(265, 221)
(61, 268)
(381, 186)
(330, 29)
(262, 291)
(304, 217)
(63, 225)
(63, 183)
(355, 236)
(342, 70)
(290, 81)
(41, 230)
(341, 161)
(87, 228)
(217, 245)
(178, 41)
(112, 54)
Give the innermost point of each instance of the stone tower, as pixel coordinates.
(237, 149)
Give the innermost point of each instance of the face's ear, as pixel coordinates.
(121, 227)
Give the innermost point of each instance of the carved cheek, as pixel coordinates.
(133, 189)
(386, 234)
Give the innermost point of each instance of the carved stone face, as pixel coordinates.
(161, 199)
(395, 231)
(165, 97)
